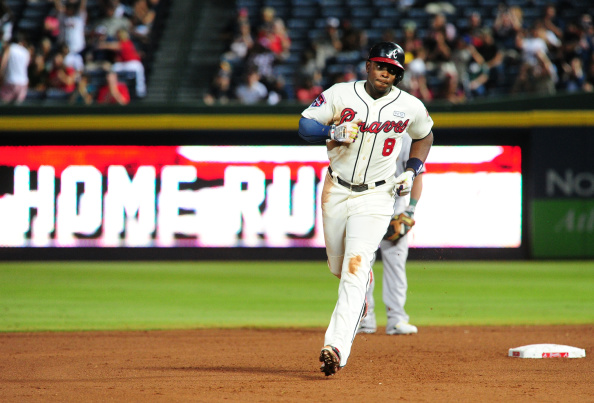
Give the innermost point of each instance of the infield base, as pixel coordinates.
(547, 351)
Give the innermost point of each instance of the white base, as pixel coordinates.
(547, 351)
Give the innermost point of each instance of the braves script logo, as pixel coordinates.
(319, 101)
(348, 115)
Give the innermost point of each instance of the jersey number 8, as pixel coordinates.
(388, 147)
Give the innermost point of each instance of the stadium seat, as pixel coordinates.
(56, 96)
(334, 12)
(305, 12)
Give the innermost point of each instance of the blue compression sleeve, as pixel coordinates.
(313, 131)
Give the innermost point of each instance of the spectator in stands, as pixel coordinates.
(266, 24)
(113, 92)
(107, 27)
(6, 23)
(127, 59)
(307, 63)
(278, 91)
(46, 49)
(537, 76)
(463, 54)
(439, 58)
(410, 42)
(471, 32)
(220, 91)
(233, 27)
(14, 80)
(73, 20)
(308, 89)
(532, 42)
(553, 42)
(251, 91)
(506, 28)
(61, 78)
(279, 40)
(51, 25)
(493, 58)
(83, 94)
(578, 39)
(74, 60)
(119, 9)
(38, 75)
(550, 21)
(262, 60)
(240, 46)
(439, 23)
(328, 44)
(573, 76)
(415, 79)
(143, 16)
(476, 75)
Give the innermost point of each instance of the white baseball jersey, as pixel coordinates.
(383, 122)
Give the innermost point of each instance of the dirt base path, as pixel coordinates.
(454, 364)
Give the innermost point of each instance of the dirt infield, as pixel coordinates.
(249, 365)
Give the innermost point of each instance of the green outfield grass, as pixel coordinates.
(165, 295)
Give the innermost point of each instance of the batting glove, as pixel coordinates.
(345, 133)
(404, 183)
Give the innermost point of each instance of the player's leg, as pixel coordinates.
(368, 323)
(395, 286)
(364, 232)
(334, 213)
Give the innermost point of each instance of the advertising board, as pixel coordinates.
(235, 196)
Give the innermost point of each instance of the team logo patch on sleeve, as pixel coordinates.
(319, 101)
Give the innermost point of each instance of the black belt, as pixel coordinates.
(354, 188)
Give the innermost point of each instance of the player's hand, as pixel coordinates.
(404, 183)
(345, 133)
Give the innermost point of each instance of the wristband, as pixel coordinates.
(332, 131)
(415, 164)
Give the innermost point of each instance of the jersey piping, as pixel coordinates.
(379, 114)
(363, 133)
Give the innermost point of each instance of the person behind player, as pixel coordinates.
(394, 249)
(362, 123)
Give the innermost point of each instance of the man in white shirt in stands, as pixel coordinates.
(13, 71)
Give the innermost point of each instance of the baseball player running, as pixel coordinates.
(394, 249)
(362, 123)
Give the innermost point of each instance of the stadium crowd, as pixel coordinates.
(445, 61)
(76, 57)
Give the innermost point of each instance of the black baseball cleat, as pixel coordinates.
(330, 359)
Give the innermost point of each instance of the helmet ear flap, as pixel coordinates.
(399, 77)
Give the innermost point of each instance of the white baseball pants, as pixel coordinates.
(354, 224)
(395, 284)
